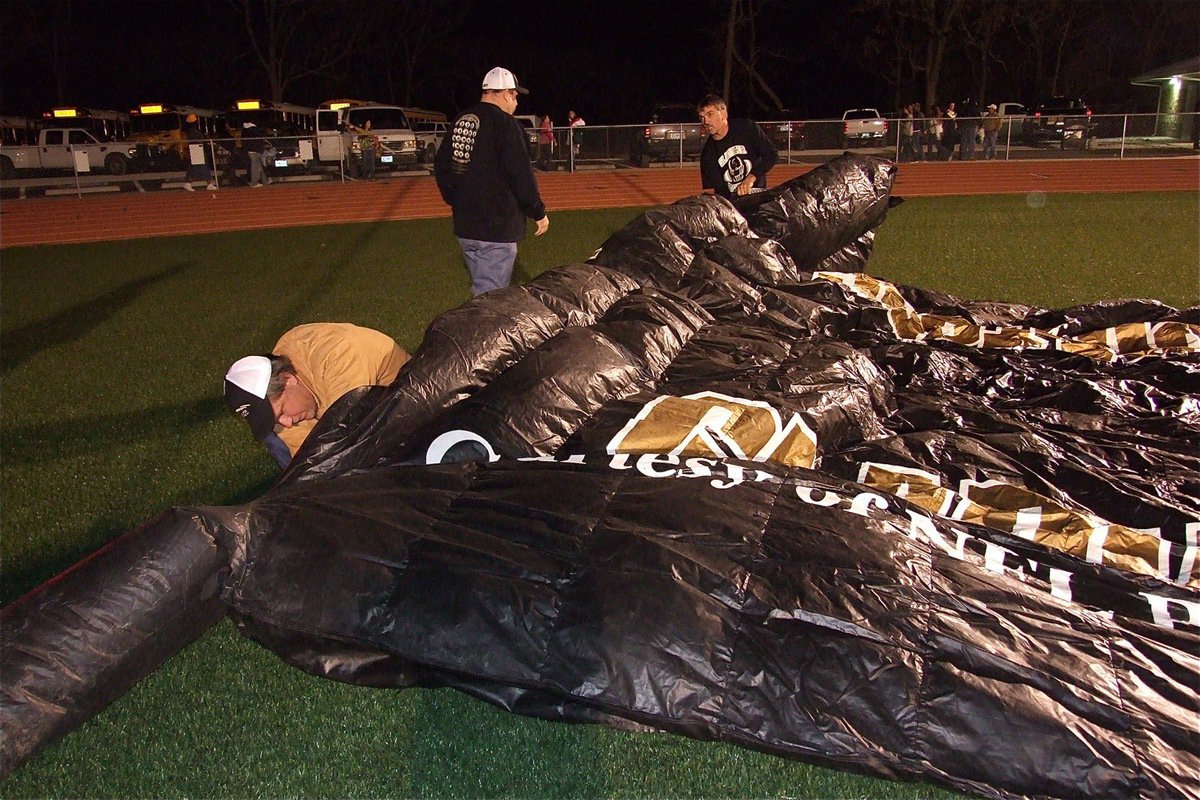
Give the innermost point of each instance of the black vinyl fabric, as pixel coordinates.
(719, 481)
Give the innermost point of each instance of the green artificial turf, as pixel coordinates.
(112, 355)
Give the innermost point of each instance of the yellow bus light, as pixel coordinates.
(65, 112)
(338, 106)
(151, 109)
(248, 105)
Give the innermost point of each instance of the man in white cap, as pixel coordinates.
(283, 394)
(992, 123)
(485, 176)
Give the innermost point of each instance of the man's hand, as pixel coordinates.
(746, 186)
(543, 225)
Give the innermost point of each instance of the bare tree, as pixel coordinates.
(1045, 27)
(743, 53)
(295, 39)
(410, 43)
(917, 35)
(984, 23)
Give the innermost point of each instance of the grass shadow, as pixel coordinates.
(49, 441)
(33, 572)
(72, 324)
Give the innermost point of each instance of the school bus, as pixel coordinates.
(290, 128)
(18, 131)
(106, 125)
(157, 131)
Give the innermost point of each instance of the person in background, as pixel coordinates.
(368, 148)
(574, 121)
(968, 127)
(907, 151)
(918, 131)
(283, 394)
(991, 131)
(546, 143)
(949, 130)
(255, 145)
(933, 134)
(237, 158)
(201, 171)
(737, 155)
(484, 174)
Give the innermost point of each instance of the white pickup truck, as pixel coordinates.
(56, 149)
(863, 125)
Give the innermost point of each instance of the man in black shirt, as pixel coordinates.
(483, 172)
(737, 156)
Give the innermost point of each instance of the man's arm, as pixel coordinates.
(710, 173)
(766, 154)
(443, 172)
(515, 159)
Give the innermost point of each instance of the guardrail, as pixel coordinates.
(595, 147)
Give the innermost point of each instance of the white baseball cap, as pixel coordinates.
(246, 385)
(499, 79)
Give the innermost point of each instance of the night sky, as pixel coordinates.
(610, 60)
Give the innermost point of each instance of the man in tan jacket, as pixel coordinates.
(283, 394)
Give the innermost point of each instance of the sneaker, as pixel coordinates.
(212, 187)
(269, 181)
(187, 187)
(258, 186)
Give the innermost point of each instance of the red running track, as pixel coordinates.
(169, 213)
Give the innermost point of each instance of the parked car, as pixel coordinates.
(1014, 115)
(1066, 120)
(785, 129)
(863, 125)
(430, 128)
(530, 123)
(673, 133)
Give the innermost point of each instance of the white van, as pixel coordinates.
(339, 123)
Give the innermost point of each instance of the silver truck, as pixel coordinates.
(66, 149)
(863, 125)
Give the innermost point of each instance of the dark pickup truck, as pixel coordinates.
(674, 133)
(1065, 120)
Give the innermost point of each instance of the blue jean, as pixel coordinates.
(989, 144)
(278, 450)
(490, 263)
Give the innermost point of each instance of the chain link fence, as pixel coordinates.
(227, 163)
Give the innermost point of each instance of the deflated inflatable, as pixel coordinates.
(717, 481)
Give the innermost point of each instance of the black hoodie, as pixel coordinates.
(484, 174)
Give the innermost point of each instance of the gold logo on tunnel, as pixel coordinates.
(715, 425)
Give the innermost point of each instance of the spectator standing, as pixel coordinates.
(968, 129)
(546, 143)
(933, 134)
(255, 145)
(991, 131)
(368, 148)
(737, 155)
(949, 130)
(483, 172)
(237, 154)
(283, 394)
(918, 131)
(907, 151)
(573, 121)
(197, 171)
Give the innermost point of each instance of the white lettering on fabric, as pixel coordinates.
(1160, 608)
